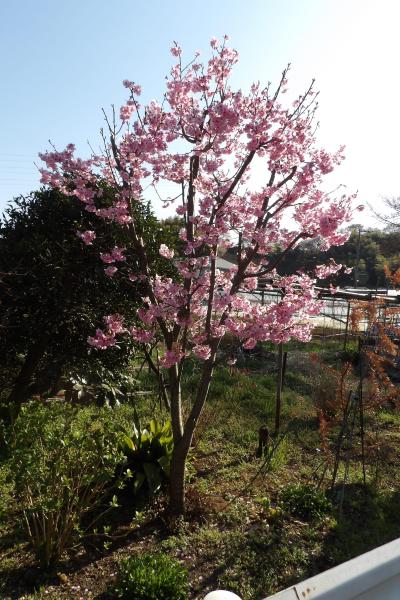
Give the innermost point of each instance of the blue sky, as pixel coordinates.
(64, 60)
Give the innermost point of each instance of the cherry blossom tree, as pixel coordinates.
(212, 143)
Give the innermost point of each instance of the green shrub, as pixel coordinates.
(278, 453)
(265, 503)
(102, 386)
(152, 577)
(149, 453)
(6, 490)
(305, 502)
(351, 355)
(65, 460)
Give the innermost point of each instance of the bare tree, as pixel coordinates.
(391, 214)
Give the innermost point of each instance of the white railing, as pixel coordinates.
(371, 576)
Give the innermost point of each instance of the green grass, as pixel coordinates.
(235, 539)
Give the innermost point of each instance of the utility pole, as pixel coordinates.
(356, 266)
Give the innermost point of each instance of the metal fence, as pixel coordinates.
(334, 319)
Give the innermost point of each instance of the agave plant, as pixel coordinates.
(148, 452)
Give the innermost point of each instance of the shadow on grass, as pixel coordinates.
(265, 559)
(258, 563)
(368, 520)
(297, 425)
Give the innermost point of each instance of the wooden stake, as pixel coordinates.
(279, 390)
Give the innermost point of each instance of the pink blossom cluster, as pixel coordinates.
(108, 338)
(134, 87)
(110, 271)
(87, 237)
(206, 141)
(116, 255)
(170, 358)
(202, 352)
(142, 336)
(323, 271)
(166, 252)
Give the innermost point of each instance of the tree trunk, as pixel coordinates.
(183, 435)
(179, 454)
(20, 389)
(176, 404)
(177, 479)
